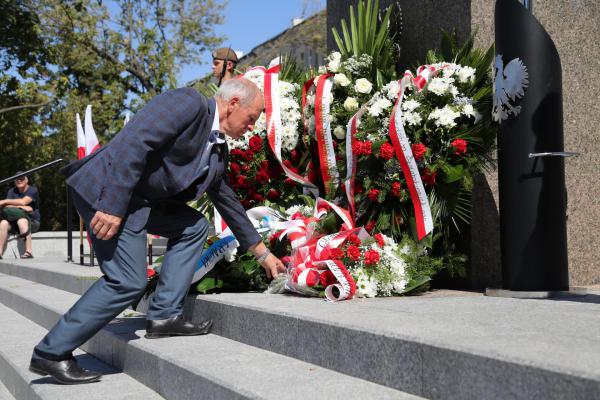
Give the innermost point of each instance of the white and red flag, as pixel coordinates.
(80, 139)
(91, 141)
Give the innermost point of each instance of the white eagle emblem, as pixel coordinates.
(509, 84)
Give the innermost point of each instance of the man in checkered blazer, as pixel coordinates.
(171, 152)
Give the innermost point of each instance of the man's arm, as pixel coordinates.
(25, 201)
(161, 120)
(230, 208)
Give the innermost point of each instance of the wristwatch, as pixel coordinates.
(262, 257)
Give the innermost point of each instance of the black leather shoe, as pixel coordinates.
(175, 326)
(67, 372)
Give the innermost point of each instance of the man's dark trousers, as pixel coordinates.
(123, 262)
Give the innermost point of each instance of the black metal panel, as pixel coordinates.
(532, 190)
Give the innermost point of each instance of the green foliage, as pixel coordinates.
(364, 34)
(243, 275)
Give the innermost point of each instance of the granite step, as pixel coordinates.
(207, 367)
(4, 393)
(19, 335)
(425, 345)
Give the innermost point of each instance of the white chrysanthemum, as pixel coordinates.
(391, 90)
(400, 285)
(322, 70)
(366, 286)
(410, 105)
(351, 104)
(444, 116)
(466, 74)
(339, 132)
(470, 111)
(362, 85)
(441, 86)
(302, 209)
(341, 80)
(448, 69)
(384, 103)
(412, 118)
(375, 110)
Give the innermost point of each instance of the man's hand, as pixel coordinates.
(273, 266)
(105, 226)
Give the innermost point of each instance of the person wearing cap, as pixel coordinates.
(20, 212)
(224, 61)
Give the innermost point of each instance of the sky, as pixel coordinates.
(249, 23)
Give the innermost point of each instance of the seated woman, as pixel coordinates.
(19, 213)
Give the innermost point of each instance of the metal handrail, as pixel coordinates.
(31, 171)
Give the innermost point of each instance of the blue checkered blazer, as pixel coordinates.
(155, 158)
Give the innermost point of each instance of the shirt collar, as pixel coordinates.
(216, 126)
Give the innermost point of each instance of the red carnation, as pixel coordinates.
(327, 278)
(460, 146)
(264, 164)
(353, 239)
(396, 188)
(371, 257)
(258, 197)
(418, 150)
(234, 167)
(386, 151)
(336, 253)
(237, 153)
(256, 143)
(245, 167)
(287, 163)
(373, 194)
(150, 272)
(289, 181)
(294, 154)
(353, 253)
(248, 155)
(379, 239)
(262, 177)
(358, 188)
(429, 177)
(370, 226)
(367, 147)
(273, 194)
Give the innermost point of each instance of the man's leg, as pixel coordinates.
(4, 228)
(186, 230)
(23, 224)
(122, 260)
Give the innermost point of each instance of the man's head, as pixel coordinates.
(220, 57)
(22, 181)
(240, 105)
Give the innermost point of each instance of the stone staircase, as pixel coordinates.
(453, 345)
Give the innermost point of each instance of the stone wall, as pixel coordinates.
(574, 27)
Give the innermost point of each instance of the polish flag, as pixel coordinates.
(80, 139)
(91, 141)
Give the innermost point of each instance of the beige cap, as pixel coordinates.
(225, 53)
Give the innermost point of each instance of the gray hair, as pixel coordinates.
(241, 88)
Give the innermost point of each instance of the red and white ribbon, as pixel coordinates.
(351, 161)
(423, 218)
(327, 159)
